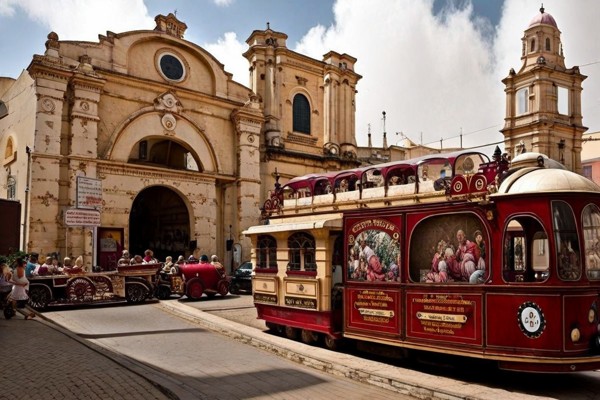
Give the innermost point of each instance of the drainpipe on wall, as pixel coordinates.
(26, 206)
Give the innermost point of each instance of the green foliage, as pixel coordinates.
(10, 259)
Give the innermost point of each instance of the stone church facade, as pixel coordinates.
(152, 132)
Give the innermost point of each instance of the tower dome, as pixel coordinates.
(543, 18)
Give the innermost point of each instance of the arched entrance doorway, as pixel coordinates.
(159, 220)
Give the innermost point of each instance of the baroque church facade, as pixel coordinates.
(143, 140)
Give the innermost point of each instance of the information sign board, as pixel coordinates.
(89, 193)
(82, 217)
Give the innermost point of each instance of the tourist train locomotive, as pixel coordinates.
(448, 253)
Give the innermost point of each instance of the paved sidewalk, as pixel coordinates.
(42, 361)
(401, 380)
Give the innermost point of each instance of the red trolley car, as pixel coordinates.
(448, 253)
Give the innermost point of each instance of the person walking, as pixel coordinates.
(19, 294)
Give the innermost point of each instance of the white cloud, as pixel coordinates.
(228, 50)
(85, 19)
(223, 3)
(7, 8)
(439, 76)
(432, 75)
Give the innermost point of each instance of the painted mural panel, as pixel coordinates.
(448, 248)
(373, 249)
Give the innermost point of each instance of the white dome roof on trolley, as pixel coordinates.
(535, 173)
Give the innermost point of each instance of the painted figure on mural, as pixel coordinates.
(374, 267)
(465, 264)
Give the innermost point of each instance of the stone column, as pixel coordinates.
(248, 122)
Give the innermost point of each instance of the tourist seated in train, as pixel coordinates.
(204, 259)
(168, 265)
(45, 268)
(395, 180)
(214, 260)
(56, 267)
(32, 264)
(149, 257)
(78, 268)
(137, 259)
(323, 187)
(125, 258)
(180, 260)
(343, 186)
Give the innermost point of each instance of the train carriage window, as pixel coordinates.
(301, 247)
(449, 248)
(266, 252)
(591, 236)
(568, 255)
(525, 251)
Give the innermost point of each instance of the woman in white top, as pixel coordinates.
(20, 288)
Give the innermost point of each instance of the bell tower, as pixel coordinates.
(543, 99)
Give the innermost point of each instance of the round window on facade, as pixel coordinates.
(171, 67)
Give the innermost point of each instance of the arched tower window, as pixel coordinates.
(532, 47)
(301, 114)
(548, 44)
(522, 101)
(301, 252)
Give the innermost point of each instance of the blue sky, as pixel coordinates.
(434, 66)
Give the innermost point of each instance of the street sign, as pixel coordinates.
(89, 193)
(81, 217)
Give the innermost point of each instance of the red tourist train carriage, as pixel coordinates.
(134, 283)
(451, 253)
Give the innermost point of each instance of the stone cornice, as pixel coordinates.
(105, 167)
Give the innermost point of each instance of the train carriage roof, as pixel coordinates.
(535, 180)
(536, 172)
(310, 180)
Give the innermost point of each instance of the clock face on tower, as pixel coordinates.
(171, 67)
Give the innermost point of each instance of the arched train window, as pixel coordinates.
(591, 236)
(266, 252)
(301, 248)
(568, 255)
(301, 114)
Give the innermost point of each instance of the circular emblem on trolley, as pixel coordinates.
(531, 319)
(479, 183)
(458, 186)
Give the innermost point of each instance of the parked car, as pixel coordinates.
(242, 279)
